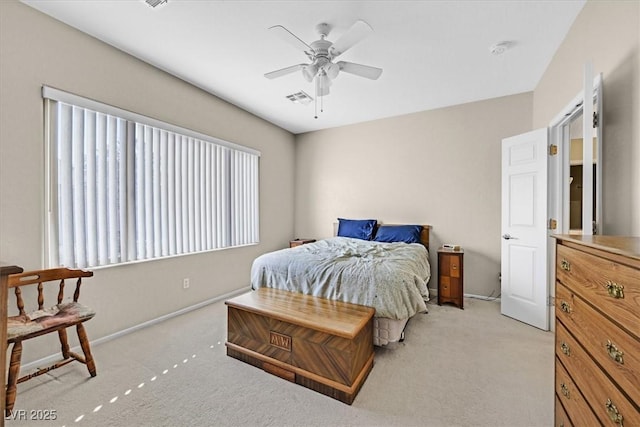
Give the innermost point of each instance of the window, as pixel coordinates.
(124, 187)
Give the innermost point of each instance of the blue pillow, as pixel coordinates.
(399, 233)
(357, 228)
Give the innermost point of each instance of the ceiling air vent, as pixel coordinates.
(300, 98)
(155, 3)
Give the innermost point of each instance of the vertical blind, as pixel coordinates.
(124, 187)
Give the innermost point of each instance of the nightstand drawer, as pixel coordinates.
(454, 266)
(445, 286)
(450, 265)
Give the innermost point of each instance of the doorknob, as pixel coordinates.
(508, 237)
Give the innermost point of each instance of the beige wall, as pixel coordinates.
(439, 167)
(607, 34)
(37, 50)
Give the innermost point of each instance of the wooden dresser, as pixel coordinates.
(597, 306)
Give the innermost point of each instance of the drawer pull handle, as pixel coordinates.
(615, 290)
(565, 265)
(565, 390)
(614, 353)
(615, 416)
(564, 306)
(565, 348)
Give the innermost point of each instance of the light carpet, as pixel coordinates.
(471, 367)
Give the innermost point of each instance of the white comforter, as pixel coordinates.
(391, 277)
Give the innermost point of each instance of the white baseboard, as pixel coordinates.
(482, 297)
(48, 360)
(434, 293)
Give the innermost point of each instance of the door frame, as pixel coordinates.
(559, 167)
(558, 180)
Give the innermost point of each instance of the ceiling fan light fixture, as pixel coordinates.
(325, 79)
(332, 70)
(309, 72)
(322, 91)
(323, 82)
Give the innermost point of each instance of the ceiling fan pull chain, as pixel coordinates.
(316, 103)
(321, 98)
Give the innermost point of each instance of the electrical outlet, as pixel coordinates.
(185, 283)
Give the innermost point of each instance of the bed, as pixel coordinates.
(386, 274)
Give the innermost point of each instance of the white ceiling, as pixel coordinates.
(434, 53)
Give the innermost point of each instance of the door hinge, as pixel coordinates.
(553, 224)
(553, 150)
(595, 119)
(551, 301)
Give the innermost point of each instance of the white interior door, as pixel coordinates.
(524, 228)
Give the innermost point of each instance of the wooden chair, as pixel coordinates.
(27, 325)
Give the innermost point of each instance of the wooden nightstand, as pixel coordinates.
(451, 277)
(298, 242)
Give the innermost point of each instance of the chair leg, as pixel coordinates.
(86, 349)
(64, 343)
(14, 372)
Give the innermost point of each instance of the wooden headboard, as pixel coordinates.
(424, 235)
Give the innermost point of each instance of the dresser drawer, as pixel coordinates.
(611, 287)
(561, 417)
(575, 405)
(606, 400)
(615, 350)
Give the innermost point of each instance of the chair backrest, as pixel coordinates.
(40, 277)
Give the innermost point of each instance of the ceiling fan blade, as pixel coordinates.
(360, 70)
(357, 32)
(290, 38)
(284, 71)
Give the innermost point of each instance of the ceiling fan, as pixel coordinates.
(321, 54)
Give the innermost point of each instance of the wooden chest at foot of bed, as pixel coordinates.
(321, 344)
